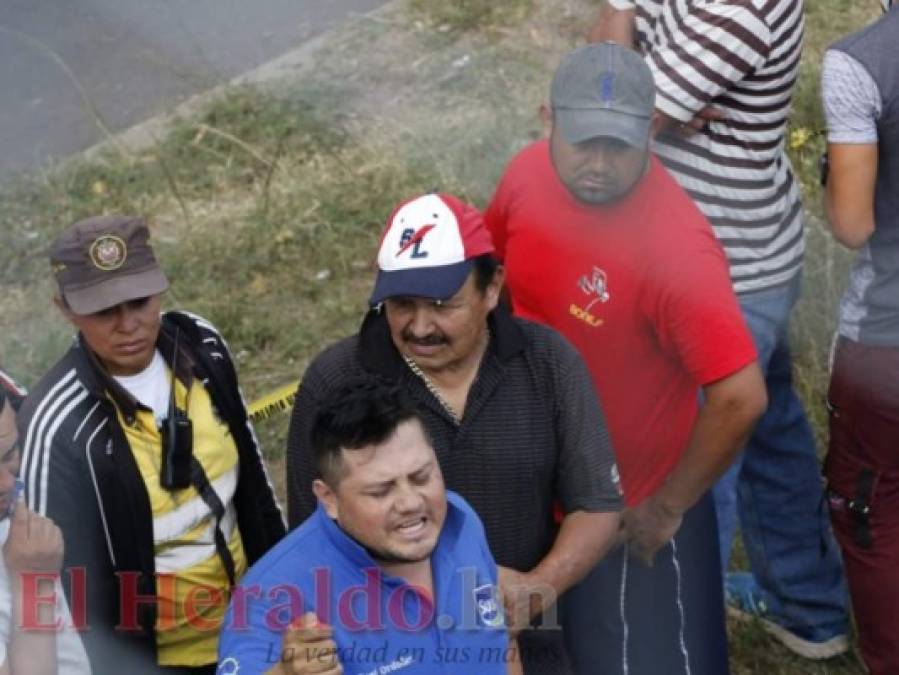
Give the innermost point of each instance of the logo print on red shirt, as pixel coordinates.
(595, 286)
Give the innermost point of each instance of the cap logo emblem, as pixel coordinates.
(607, 88)
(413, 239)
(108, 253)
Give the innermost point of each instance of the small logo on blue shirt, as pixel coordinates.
(490, 609)
(229, 666)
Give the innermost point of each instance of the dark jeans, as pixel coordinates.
(862, 466)
(629, 619)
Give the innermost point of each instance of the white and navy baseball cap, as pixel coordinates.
(427, 248)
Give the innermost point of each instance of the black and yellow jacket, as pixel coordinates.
(79, 470)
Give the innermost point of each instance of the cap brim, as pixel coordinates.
(582, 124)
(115, 290)
(436, 283)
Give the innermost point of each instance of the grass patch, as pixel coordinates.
(266, 207)
(467, 15)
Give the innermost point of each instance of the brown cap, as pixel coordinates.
(103, 261)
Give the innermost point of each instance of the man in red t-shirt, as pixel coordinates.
(602, 244)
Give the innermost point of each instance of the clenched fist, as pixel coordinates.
(34, 543)
(308, 649)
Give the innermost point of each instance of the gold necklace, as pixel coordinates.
(416, 369)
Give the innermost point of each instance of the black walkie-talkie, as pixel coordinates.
(177, 439)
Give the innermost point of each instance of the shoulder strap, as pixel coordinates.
(210, 497)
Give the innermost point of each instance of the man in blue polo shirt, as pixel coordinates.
(394, 570)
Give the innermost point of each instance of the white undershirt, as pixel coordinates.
(151, 387)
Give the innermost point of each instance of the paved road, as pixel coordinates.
(132, 59)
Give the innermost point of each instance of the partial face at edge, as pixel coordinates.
(391, 498)
(9, 456)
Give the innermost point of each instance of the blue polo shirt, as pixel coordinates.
(381, 624)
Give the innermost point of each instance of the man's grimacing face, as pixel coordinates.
(390, 497)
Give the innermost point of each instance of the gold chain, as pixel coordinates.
(415, 368)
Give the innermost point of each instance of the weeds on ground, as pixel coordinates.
(465, 15)
(266, 207)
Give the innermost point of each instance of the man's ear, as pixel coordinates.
(495, 287)
(655, 124)
(327, 497)
(546, 118)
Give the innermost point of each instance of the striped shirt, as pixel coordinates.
(742, 57)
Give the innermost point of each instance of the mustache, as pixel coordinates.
(430, 340)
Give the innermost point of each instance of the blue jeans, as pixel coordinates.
(775, 485)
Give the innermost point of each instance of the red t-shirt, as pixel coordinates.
(640, 287)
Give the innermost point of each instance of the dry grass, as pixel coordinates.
(266, 209)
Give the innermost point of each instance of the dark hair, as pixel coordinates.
(485, 267)
(365, 411)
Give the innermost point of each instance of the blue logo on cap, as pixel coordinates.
(607, 88)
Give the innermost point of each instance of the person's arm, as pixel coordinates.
(852, 105)
(71, 503)
(34, 546)
(698, 323)
(257, 638)
(583, 539)
(586, 487)
(730, 409)
(710, 48)
(850, 192)
(300, 466)
(514, 666)
(615, 23)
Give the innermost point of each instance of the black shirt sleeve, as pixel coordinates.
(301, 502)
(587, 475)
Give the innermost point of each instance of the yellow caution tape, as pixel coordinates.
(280, 400)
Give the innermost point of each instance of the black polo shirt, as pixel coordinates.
(532, 433)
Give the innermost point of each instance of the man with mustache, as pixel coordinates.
(137, 444)
(601, 243)
(514, 420)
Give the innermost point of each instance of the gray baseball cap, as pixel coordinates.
(603, 90)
